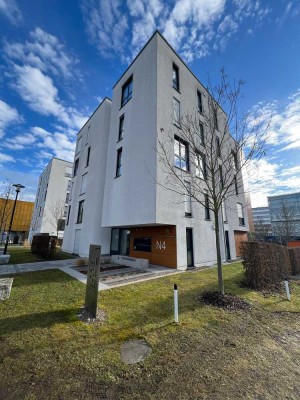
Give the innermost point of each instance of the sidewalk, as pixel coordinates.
(9, 269)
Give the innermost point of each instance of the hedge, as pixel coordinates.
(294, 253)
(265, 264)
(43, 245)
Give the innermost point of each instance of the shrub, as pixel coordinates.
(81, 262)
(43, 245)
(265, 264)
(295, 259)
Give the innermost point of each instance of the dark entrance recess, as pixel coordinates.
(120, 241)
(227, 246)
(189, 247)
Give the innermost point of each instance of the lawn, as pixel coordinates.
(22, 255)
(47, 353)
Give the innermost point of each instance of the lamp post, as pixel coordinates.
(18, 189)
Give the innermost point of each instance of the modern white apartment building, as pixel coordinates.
(116, 200)
(52, 198)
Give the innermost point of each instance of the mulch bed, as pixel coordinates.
(228, 301)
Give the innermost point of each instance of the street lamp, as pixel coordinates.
(18, 189)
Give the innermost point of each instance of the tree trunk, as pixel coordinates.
(219, 258)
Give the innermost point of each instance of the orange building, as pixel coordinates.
(22, 217)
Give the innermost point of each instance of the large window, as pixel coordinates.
(121, 127)
(207, 210)
(240, 214)
(176, 111)
(119, 163)
(200, 166)
(76, 165)
(175, 77)
(181, 154)
(126, 92)
(199, 97)
(80, 211)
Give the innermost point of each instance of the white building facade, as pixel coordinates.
(51, 201)
(116, 199)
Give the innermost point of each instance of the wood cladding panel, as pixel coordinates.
(163, 245)
(239, 237)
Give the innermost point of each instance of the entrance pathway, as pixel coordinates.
(108, 279)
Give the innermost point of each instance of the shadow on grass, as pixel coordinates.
(37, 320)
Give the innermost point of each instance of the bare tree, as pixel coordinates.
(262, 229)
(57, 215)
(285, 223)
(6, 206)
(207, 153)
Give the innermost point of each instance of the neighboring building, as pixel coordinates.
(262, 221)
(50, 206)
(115, 201)
(285, 215)
(21, 221)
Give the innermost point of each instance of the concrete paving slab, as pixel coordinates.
(134, 351)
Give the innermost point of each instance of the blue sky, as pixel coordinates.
(58, 59)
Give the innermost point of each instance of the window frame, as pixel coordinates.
(84, 176)
(206, 207)
(188, 210)
(127, 85)
(218, 147)
(88, 157)
(241, 219)
(119, 162)
(176, 121)
(199, 102)
(181, 143)
(204, 172)
(175, 83)
(68, 216)
(202, 136)
(76, 166)
(121, 127)
(80, 211)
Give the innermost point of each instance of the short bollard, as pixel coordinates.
(175, 303)
(287, 289)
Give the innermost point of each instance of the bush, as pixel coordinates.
(265, 264)
(295, 260)
(43, 245)
(81, 262)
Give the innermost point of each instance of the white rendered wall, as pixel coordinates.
(131, 198)
(94, 134)
(52, 188)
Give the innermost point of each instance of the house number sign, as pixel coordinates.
(161, 245)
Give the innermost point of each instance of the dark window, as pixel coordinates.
(142, 244)
(176, 111)
(88, 156)
(80, 211)
(175, 77)
(218, 149)
(68, 218)
(207, 210)
(181, 159)
(236, 185)
(61, 224)
(199, 96)
(201, 127)
(76, 165)
(126, 92)
(119, 163)
(121, 127)
(45, 195)
(216, 119)
(221, 177)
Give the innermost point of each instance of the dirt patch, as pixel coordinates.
(228, 301)
(86, 317)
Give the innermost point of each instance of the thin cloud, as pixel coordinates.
(11, 11)
(8, 116)
(194, 28)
